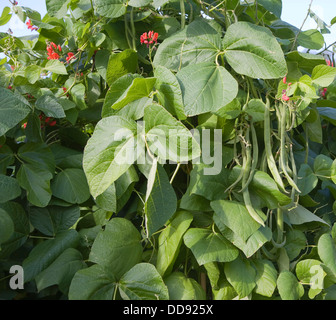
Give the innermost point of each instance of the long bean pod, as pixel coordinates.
(246, 174)
(268, 148)
(283, 153)
(255, 155)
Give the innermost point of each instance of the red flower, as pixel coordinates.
(70, 56)
(10, 87)
(30, 26)
(149, 38)
(285, 97)
(284, 80)
(52, 55)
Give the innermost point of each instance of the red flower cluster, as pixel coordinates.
(30, 26)
(149, 38)
(45, 122)
(330, 63)
(70, 56)
(284, 95)
(52, 55)
(324, 92)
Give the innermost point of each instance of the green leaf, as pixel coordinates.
(265, 187)
(253, 243)
(230, 111)
(102, 59)
(107, 155)
(33, 73)
(6, 158)
(295, 242)
(35, 172)
(143, 282)
(6, 227)
(13, 109)
(71, 185)
(36, 183)
(323, 75)
(94, 283)
(198, 42)
(53, 220)
(167, 137)
(21, 228)
(133, 110)
(170, 241)
(61, 271)
(253, 51)
(169, 92)
(50, 106)
(256, 109)
(139, 3)
(124, 91)
(118, 247)
(311, 39)
(212, 88)
(110, 8)
(273, 6)
(120, 64)
(300, 215)
(289, 287)
(307, 180)
(266, 279)
(310, 272)
(235, 216)
(46, 252)
(56, 66)
(161, 201)
(182, 288)
(305, 61)
(57, 8)
(98, 39)
(241, 275)
(323, 166)
(38, 155)
(9, 188)
(211, 187)
(108, 199)
(5, 16)
(207, 246)
(327, 251)
(78, 95)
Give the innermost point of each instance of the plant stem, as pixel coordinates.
(304, 21)
(182, 14)
(133, 30)
(175, 173)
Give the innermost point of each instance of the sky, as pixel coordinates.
(293, 12)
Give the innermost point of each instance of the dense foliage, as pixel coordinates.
(94, 201)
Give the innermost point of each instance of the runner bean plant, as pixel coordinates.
(167, 149)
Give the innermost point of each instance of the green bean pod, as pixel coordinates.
(246, 174)
(268, 148)
(283, 157)
(255, 155)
